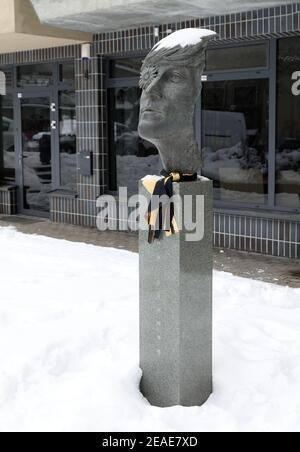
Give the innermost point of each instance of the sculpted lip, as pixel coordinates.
(149, 110)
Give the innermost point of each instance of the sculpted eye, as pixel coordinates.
(175, 77)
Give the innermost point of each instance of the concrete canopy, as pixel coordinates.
(21, 29)
(101, 15)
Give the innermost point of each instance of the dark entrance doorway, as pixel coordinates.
(45, 142)
(36, 159)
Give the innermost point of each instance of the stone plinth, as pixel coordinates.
(176, 309)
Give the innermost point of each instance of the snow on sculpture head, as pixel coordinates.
(171, 83)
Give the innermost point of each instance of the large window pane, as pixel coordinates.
(235, 139)
(7, 149)
(288, 124)
(67, 138)
(127, 67)
(67, 72)
(8, 76)
(132, 158)
(35, 75)
(240, 57)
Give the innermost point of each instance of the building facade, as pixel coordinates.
(69, 125)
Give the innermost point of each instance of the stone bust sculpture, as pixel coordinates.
(171, 84)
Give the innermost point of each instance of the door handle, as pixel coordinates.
(53, 125)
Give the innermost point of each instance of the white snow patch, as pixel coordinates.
(183, 38)
(152, 177)
(69, 348)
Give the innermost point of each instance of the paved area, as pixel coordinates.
(249, 265)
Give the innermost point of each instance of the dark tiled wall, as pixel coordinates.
(35, 56)
(258, 235)
(8, 200)
(91, 136)
(133, 40)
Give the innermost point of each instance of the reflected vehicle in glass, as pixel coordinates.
(235, 139)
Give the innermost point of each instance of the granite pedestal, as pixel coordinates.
(176, 309)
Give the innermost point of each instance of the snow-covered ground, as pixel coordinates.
(69, 346)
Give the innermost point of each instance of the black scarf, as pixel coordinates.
(160, 215)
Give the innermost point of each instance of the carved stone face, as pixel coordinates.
(171, 83)
(168, 100)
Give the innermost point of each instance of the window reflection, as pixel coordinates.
(126, 67)
(35, 75)
(240, 57)
(67, 72)
(288, 125)
(235, 139)
(67, 138)
(133, 157)
(36, 147)
(7, 148)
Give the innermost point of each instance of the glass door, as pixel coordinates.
(36, 159)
